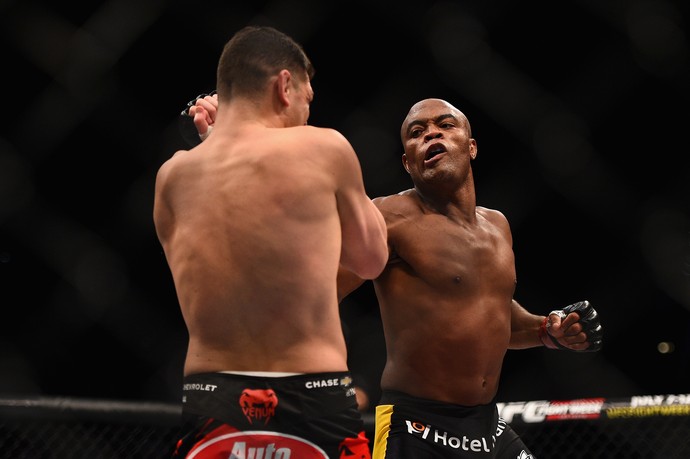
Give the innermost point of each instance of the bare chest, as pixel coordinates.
(445, 253)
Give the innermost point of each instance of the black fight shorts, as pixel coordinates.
(306, 416)
(411, 427)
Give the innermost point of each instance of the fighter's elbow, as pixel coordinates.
(375, 262)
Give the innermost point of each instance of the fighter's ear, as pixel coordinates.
(473, 149)
(283, 86)
(404, 161)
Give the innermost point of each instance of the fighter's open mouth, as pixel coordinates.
(434, 150)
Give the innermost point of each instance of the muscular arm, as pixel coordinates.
(348, 282)
(559, 330)
(364, 249)
(524, 328)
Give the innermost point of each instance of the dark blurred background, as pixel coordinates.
(579, 108)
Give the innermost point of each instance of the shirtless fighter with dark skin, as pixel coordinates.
(446, 294)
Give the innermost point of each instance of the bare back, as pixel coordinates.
(445, 300)
(251, 227)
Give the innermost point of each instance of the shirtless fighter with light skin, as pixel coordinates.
(254, 223)
(446, 301)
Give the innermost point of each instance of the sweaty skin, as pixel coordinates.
(254, 222)
(446, 294)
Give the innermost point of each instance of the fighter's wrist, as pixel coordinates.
(188, 130)
(546, 338)
(205, 135)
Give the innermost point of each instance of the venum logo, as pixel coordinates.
(258, 404)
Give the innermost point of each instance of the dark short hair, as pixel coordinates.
(254, 54)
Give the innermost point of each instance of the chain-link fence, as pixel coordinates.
(68, 428)
(642, 427)
(651, 427)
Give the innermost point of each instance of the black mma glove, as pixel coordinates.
(589, 319)
(186, 122)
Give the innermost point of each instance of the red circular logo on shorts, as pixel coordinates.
(256, 444)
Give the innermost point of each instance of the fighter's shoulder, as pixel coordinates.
(403, 202)
(490, 213)
(325, 145)
(170, 164)
(494, 216)
(320, 135)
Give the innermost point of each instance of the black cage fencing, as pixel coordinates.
(641, 427)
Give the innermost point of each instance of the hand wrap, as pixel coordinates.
(591, 326)
(186, 123)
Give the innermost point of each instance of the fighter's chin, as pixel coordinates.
(434, 175)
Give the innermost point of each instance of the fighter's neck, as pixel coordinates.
(461, 203)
